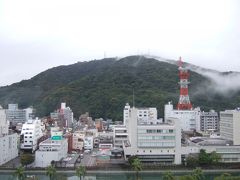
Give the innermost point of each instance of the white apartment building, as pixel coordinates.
(120, 135)
(230, 125)
(153, 141)
(143, 114)
(189, 119)
(78, 140)
(209, 121)
(88, 142)
(30, 134)
(8, 141)
(50, 150)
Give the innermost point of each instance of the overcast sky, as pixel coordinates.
(37, 35)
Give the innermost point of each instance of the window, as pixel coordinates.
(170, 130)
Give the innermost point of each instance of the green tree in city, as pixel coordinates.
(204, 158)
(191, 161)
(26, 159)
(215, 157)
(168, 176)
(197, 174)
(80, 172)
(19, 173)
(131, 158)
(136, 166)
(224, 176)
(51, 172)
(186, 177)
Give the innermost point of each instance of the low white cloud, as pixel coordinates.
(223, 83)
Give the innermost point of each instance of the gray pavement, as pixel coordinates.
(88, 160)
(13, 163)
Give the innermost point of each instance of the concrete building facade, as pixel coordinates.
(8, 141)
(230, 125)
(30, 134)
(189, 119)
(120, 135)
(209, 121)
(50, 150)
(152, 141)
(78, 140)
(15, 115)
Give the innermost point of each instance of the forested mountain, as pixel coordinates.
(102, 87)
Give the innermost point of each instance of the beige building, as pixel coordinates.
(78, 140)
(230, 125)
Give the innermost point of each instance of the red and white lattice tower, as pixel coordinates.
(184, 101)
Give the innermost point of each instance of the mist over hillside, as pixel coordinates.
(102, 87)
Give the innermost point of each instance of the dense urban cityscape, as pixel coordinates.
(180, 138)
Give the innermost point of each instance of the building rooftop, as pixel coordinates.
(204, 141)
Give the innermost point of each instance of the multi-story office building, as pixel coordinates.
(143, 114)
(209, 121)
(15, 115)
(51, 150)
(189, 119)
(230, 125)
(67, 114)
(153, 140)
(8, 140)
(30, 134)
(120, 135)
(63, 116)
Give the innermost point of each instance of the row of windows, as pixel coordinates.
(156, 144)
(156, 137)
(226, 115)
(165, 150)
(155, 130)
(28, 136)
(27, 132)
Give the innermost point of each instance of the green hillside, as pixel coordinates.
(102, 87)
